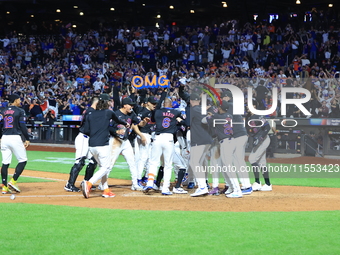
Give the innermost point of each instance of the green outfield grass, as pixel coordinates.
(71, 230)
(61, 162)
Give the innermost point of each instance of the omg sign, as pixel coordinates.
(150, 82)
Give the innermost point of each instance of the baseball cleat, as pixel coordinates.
(86, 188)
(166, 192)
(13, 185)
(6, 190)
(148, 190)
(266, 187)
(229, 191)
(71, 188)
(224, 190)
(247, 191)
(179, 191)
(136, 187)
(155, 187)
(191, 185)
(144, 180)
(108, 193)
(214, 192)
(256, 186)
(200, 192)
(234, 195)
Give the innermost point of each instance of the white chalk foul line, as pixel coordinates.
(45, 178)
(18, 196)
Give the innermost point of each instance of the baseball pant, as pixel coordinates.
(162, 145)
(259, 156)
(196, 157)
(178, 160)
(117, 147)
(215, 162)
(227, 148)
(239, 162)
(143, 153)
(102, 156)
(81, 144)
(12, 144)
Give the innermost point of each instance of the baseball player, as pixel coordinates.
(14, 125)
(180, 160)
(143, 143)
(240, 140)
(82, 152)
(123, 145)
(257, 157)
(224, 133)
(185, 96)
(199, 138)
(166, 125)
(99, 143)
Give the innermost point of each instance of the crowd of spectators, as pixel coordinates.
(58, 73)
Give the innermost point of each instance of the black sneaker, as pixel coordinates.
(71, 188)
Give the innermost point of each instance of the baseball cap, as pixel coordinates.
(153, 100)
(195, 97)
(224, 106)
(227, 94)
(128, 100)
(104, 97)
(12, 98)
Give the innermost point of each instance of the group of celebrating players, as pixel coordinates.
(155, 138)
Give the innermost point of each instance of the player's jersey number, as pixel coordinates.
(166, 122)
(8, 120)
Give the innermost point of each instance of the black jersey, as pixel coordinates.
(143, 112)
(199, 133)
(239, 128)
(130, 118)
(166, 120)
(97, 126)
(14, 121)
(82, 129)
(258, 126)
(221, 124)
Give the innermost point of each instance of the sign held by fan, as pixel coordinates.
(150, 82)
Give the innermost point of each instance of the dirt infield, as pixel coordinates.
(282, 198)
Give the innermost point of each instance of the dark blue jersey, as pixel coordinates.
(143, 112)
(97, 126)
(90, 109)
(220, 123)
(13, 121)
(166, 120)
(198, 131)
